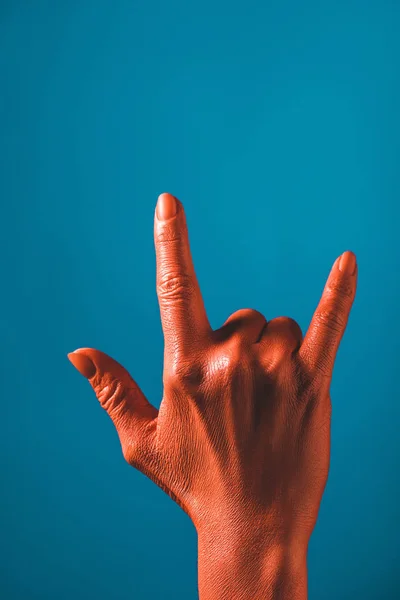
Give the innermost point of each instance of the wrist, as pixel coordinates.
(249, 565)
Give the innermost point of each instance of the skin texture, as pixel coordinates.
(241, 440)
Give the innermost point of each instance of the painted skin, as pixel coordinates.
(241, 440)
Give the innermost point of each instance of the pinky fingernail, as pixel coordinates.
(348, 263)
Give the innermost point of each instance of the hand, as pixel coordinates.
(241, 440)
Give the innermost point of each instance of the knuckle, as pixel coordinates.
(285, 321)
(169, 234)
(330, 318)
(287, 328)
(290, 328)
(294, 328)
(341, 290)
(111, 395)
(290, 323)
(225, 362)
(185, 375)
(229, 360)
(174, 285)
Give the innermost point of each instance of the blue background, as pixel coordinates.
(277, 124)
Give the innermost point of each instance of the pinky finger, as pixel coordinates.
(321, 342)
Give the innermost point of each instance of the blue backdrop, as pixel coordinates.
(277, 124)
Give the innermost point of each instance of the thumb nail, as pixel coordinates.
(83, 364)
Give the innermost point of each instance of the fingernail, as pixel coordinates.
(83, 364)
(348, 263)
(166, 207)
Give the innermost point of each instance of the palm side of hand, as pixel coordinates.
(244, 423)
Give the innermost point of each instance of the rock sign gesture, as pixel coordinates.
(241, 440)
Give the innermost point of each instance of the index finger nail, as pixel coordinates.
(166, 207)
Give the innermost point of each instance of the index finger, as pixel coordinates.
(183, 316)
(321, 342)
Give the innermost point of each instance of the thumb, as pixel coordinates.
(135, 419)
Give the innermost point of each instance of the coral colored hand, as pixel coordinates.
(241, 440)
